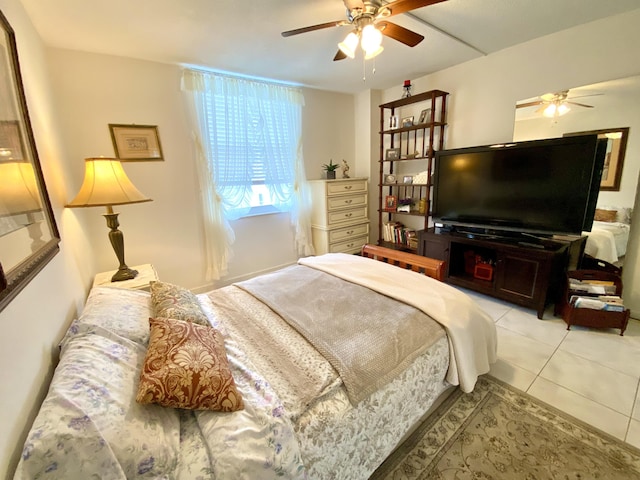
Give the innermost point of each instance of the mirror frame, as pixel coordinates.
(608, 183)
(16, 278)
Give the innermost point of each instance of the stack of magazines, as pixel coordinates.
(595, 294)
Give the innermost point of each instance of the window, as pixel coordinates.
(254, 130)
(248, 148)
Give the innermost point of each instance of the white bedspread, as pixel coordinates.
(607, 240)
(471, 332)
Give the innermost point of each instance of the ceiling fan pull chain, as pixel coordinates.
(364, 70)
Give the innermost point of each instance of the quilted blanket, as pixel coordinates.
(368, 338)
(471, 332)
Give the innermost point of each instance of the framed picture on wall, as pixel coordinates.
(614, 158)
(136, 142)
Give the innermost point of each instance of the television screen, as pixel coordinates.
(542, 186)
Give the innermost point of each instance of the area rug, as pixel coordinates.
(498, 432)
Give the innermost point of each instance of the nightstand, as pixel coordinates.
(146, 274)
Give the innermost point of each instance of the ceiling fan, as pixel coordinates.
(368, 18)
(555, 104)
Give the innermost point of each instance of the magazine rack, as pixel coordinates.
(587, 317)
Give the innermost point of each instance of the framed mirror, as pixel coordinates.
(616, 147)
(29, 236)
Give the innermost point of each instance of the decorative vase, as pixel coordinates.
(331, 175)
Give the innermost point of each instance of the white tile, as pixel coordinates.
(494, 307)
(633, 434)
(515, 376)
(613, 389)
(606, 348)
(582, 408)
(525, 322)
(521, 351)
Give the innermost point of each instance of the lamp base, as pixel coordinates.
(124, 273)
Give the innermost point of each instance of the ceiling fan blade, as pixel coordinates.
(340, 55)
(297, 31)
(400, 34)
(402, 6)
(580, 104)
(528, 104)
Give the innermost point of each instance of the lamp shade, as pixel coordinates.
(105, 183)
(349, 44)
(19, 191)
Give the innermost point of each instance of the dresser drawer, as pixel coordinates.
(344, 187)
(350, 215)
(350, 246)
(346, 233)
(346, 201)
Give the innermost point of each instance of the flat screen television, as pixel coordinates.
(541, 187)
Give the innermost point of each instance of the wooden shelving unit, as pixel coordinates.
(415, 146)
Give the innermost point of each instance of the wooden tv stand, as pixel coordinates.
(528, 273)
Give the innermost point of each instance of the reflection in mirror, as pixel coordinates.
(602, 107)
(616, 139)
(28, 233)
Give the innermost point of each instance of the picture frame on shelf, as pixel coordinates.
(407, 179)
(393, 122)
(424, 116)
(390, 178)
(392, 154)
(136, 142)
(390, 203)
(407, 121)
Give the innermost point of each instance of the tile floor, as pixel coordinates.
(592, 374)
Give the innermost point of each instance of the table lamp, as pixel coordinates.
(19, 195)
(106, 184)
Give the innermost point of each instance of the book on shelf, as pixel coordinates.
(607, 303)
(396, 232)
(592, 287)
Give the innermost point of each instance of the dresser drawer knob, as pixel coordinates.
(348, 201)
(348, 187)
(350, 232)
(348, 215)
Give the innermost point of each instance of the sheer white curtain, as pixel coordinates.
(244, 132)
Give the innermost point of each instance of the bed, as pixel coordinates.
(609, 234)
(304, 408)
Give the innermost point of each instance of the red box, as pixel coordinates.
(483, 271)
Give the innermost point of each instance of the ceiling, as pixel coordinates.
(244, 37)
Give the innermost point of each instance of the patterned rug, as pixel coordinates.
(498, 432)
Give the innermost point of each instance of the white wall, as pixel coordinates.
(94, 90)
(484, 93)
(36, 319)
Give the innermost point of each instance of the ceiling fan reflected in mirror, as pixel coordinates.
(556, 104)
(368, 19)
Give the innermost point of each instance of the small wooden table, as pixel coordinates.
(146, 274)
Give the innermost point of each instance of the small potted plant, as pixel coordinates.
(330, 168)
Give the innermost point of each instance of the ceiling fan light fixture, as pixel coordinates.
(375, 53)
(371, 39)
(556, 109)
(349, 44)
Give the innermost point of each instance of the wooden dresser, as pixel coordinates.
(339, 216)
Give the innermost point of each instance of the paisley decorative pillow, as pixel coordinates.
(173, 301)
(186, 366)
